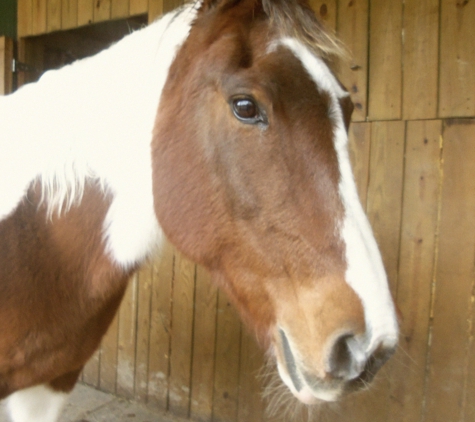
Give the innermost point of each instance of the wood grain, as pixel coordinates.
(352, 29)
(142, 343)
(420, 59)
(385, 69)
(422, 179)
(160, 327)
(182, 336)
(85, 12)
(204, 346)
(127, 339)
(226, 379)
(453, 305)
(6, 58)
(457, 59)
(69, 14)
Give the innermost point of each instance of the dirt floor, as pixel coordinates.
(89, 405)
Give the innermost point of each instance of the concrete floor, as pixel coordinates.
(89, 405)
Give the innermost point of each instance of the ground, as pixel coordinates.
(89, 405)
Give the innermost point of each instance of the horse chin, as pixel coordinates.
(309, 396)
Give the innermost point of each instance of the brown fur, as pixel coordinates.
(59, 292)
(257, 206)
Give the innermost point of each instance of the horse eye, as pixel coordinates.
(246, 110)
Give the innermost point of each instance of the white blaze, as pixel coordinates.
(365, 270)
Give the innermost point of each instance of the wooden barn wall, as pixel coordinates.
(177, 344)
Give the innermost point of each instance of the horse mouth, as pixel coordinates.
(311, 389)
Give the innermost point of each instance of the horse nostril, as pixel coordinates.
(347, 358)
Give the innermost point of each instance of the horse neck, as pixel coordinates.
(94, 117)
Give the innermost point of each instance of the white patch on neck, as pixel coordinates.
(95, 118)
(365, 272)
(36, 404)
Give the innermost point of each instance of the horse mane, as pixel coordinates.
(296, 19)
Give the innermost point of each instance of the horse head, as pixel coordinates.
(252, 179)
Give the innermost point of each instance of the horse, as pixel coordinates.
(222, 128)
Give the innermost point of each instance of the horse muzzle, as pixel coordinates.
(346, 366)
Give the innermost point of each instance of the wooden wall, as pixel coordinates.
(176, 342)
(6, 57)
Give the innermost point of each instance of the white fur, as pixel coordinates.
(36, 404)
(94, 118)
(365, 270)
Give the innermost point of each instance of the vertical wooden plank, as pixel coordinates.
(92, 369)
(160, 327)
(39, 17)
(453, 302)
(119, 9)
(182, 336)
(422, 179)
(385, 57)
(69, 14)
(25, 17)
(359, 139)
(420, 61)
(109, 351)
(155, 9)
(137, 7)
(143, 332)
(53, 15)
(169, 5)
(251, 405)
(326, 11)
(127, 341)
(385, 191)
(457, 59)
(6, 57)
(85, 12)
(352, 29)
(204, 342)
(384, 195)
(102, 10)
(226, 380)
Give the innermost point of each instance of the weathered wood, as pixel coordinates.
(85, 12)
(39, 17)
(92, 369)
(204, 345)
(420, 59)
(144, 299)
(169, 5)
(102, 10)
(385, 60)
(359, 143)
(109, 351)
(251, 404)
(352, 28)
(422, 179)
(160, 327)
(182, 336)
(53, 18)
(226, 379)
(155, 9)
(69, 14)
(137, 7)
(6, 57)
(119, 9)
(25, 17)
(326, 11)
(385, 191)
(453, 305)
(457, 59)
(127, 339)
